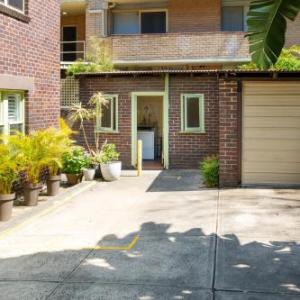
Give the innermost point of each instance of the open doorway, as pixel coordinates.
(148, 126)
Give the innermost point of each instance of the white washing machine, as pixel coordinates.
(148, 138)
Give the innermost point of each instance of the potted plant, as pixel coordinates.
(58, 142)
(89, 171)
(9, 169)
(73, 164)
(33, 153)
(110, 166)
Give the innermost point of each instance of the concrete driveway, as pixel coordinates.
(160, 236)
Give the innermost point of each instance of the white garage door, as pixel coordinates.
(271, 133)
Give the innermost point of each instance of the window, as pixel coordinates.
(125, 23)
(135, 22)
(14, 4)
(11, 112)
(233, 18)
(107, 117)
(192, 113)
(153, 22)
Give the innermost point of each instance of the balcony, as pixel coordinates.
(179, 48)
(71, 51)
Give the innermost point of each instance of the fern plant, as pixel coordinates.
(9, 168)
(32, 153)
(57, 142)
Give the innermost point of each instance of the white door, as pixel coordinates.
(271, 133)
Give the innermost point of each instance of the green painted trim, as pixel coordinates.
(166, 122)
(184, 127)
(134, 96)
(133, 129)
(114, 115)
(3, 101)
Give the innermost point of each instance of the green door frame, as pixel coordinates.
(134, 99)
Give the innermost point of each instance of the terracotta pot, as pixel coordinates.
(74, 178)
(6, 205)
(53, 185)
(31, 193)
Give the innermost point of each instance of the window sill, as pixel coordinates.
(14, 14)
(192, 132)
(107, 132)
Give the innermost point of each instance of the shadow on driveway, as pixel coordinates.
(162, 265)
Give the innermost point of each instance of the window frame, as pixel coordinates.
(114, 115)
(201, 100)
(139, 12)
(4, 108)
(22, 11)
(245, 5)
(153, 11)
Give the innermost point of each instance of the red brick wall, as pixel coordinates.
(32, 49)
(229, 129)
(188, 149)
(194, 15)
(123, 86)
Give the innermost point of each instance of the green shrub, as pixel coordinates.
(75, 161)
(98, 59)
(289, 60)
(210, 170)
(108, 153)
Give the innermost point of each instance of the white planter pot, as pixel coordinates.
(89, 174)
(111, 171)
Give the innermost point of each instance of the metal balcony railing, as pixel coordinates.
(72, 51)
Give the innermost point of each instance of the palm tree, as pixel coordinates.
(267, 23)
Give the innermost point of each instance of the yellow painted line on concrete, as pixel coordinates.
(45, 212)
(116, 248)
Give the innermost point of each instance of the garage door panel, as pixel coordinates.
(273, 100)
(271, 178)
(271, 88)
(267, 144)
(272, 167)
(273, 111)
(271, 122)
(275, 155)
(272, 133)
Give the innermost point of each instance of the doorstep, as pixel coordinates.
(21, 213)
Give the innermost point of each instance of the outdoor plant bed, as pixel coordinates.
(6, 205)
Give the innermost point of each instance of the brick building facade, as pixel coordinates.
(178, 70)
(29, 63)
